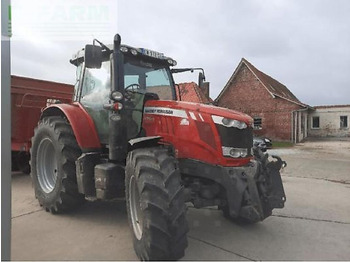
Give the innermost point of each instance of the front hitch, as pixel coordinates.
(271, 185)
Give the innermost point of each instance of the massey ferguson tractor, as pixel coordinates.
(125, 135)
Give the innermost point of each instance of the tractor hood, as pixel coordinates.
(184, 108)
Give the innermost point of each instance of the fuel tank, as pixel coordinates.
(210, 134)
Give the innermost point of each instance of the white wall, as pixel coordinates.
(329, 121)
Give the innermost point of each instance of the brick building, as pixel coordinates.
(277, 112)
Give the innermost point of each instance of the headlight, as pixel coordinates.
(172, 62)
(116, 96)
(235, 152)
(267, 140)
(228, 122)
(124, 49)
(133, 51)
(234, 123)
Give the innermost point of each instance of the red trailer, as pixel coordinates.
(28, 98)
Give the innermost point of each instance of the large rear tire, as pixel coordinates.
(155, 204)
(53, 155)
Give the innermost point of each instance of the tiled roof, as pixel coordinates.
(332, 106)
(274, 87)
(191, 92)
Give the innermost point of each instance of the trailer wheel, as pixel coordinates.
(23, 162)
(53, 155)
(155, 204)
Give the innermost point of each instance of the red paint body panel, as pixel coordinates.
(183, 132)
(82, 124)
(28, 98)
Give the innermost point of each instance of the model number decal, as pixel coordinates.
(159, 111)
(165, 111)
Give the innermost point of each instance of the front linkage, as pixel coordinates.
(261, 190)
(247, 194)
(264, 190)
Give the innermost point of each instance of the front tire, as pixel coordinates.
(53, 155)
(155, 204)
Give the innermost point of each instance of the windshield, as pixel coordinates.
(148, 76)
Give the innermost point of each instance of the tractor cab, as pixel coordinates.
(113, 82)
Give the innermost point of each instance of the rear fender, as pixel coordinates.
(82, 124)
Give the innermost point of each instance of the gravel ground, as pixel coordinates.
(328, 160)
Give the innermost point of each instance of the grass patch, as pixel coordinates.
(281, 144)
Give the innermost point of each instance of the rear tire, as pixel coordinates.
(155, 204)
(53, 155)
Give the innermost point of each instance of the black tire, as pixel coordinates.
(23, 162)
(14, 165)
(53, 155)
(160, 227)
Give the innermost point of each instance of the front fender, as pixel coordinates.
(82, 124)
(142, 142)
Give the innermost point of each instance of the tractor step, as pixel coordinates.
(109, 180)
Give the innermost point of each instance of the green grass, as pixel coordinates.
(281, 144)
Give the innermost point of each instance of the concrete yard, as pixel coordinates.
(314, 225)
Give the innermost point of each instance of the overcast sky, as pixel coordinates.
(303, 44)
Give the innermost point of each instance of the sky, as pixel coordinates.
(305, 45)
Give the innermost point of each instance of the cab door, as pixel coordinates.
(95, 90)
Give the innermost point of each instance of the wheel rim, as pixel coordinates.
(47, 165)
(135, 208)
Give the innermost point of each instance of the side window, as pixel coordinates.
(131, 79)
(344, 122)
(77, 82)
(96, 84)
(316, 122)
(157, 81)
(257, 123)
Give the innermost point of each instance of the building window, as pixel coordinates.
(343, 121)
(257, 123)
(316, 122)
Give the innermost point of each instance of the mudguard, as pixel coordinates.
(82, 124)
(142, 142)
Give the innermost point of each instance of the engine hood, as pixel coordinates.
(201, 108)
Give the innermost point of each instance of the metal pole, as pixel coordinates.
(5, 130)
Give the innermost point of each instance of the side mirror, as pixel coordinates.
(93, 56)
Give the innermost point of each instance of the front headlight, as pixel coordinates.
(235, 152)
(228, 122)
(116, 96)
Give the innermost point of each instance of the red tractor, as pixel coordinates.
(125, 135)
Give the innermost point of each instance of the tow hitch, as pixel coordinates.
(272, 187)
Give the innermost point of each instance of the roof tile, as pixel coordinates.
(191, 92)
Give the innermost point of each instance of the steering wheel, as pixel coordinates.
(133, 89)
(130, 88)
